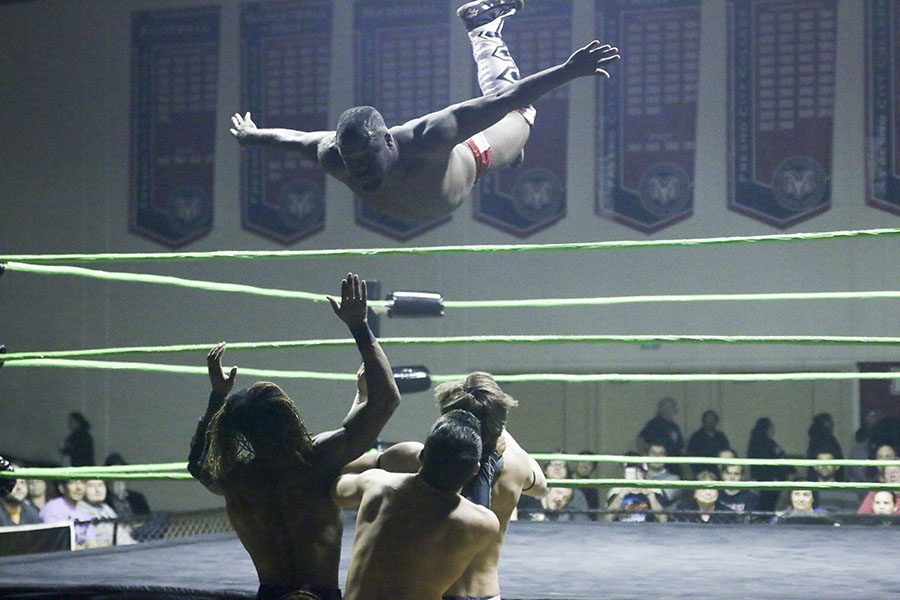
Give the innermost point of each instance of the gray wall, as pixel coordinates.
(64, 188)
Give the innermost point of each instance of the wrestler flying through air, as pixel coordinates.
(426, 167)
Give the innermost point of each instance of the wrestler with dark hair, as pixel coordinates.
(426, 167)
(415, 534)
(505, 472)
(254, 448)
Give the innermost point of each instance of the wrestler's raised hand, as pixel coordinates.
(352, 309)
(591, 59)
(243, 127)
(221, 384)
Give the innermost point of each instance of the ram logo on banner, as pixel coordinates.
(285, 62)
(647, 126)
(403, 69)
(532, 196)
(781, 105)
(883, 105)
(175, 59)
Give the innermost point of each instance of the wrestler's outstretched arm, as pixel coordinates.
(378, 397)
(535, 484)
(304, 142)
(459, 122)
(221, 386)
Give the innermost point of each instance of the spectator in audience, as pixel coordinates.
(885, 432)
(126, 503)
(763, 445)
(586, 469)
(38, 493)
(742, 500)
(802, 506)
(13, 508)
(67, 508)
(663, 427)
(833, 500)
(885, 503)
(107, 533)
(78, 448)
(890, 474)
(635, 505)
(705, 502)
(708, 440)
(556, 469)
(659, 472)
(564, 504)
(861, 444)
(881, 452)
(821, 437)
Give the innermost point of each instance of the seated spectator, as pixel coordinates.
(659, 472)
(586, 469)
(891, 474)
(884, 503)
(564, 504)
(67, 508)
(556, 469)
(802, 508)
(13, 509)
(708, 440)
(663, 428)
(742, 500)
(862, 440)
(127, 503)
(107, 533)
(881, 452)
(835, 501)
(635, 505)
(821, 437)
(704, 503)
(762, 444)
(38, 494)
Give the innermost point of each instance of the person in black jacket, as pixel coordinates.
(78, 447)
(763, 445)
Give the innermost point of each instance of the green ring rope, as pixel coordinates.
(713, 460)
(213, 286)
(526, 377)
(722, 485)
(833, 340)
(457, 249)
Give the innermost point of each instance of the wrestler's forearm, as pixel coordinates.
(529, 89)
(383, 394)
(291, 140)
(198, 442)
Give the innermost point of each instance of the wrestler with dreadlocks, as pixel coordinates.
(253, 447)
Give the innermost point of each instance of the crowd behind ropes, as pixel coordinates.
(96, 506)
(877, 438)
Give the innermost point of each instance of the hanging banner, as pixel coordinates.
(647, 125)
(532, 196)
(781, 106)
(174, 67)
(883, 105)
(285, 65)
(402, 62)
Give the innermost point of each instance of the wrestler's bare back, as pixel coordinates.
(427, 181)
(412, 541)
(288, 523)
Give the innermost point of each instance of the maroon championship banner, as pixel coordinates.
(781, 106)
(883, 105)
(285, 64)
(532, 196)
(647, 125)
(174, 68)
(402, 62)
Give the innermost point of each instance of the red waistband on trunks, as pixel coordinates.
(481, 150)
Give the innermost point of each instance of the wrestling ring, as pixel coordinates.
(540, 560)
